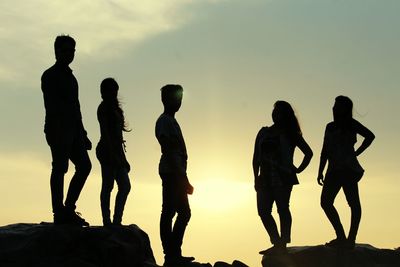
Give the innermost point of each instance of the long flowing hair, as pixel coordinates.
(109, 93)
(285, 118)
(343, 111)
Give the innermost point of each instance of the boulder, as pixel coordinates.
(363, 255)
(49, 245)
(71, 246)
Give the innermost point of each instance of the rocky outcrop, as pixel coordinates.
(321, 256)
(46, 245)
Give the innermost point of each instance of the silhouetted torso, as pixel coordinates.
(168, 126)
(276, 158)
(60, 93)
(339, 146)
(111, 141)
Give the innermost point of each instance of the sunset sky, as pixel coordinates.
(234, 60)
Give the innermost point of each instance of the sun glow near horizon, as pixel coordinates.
(217, 195)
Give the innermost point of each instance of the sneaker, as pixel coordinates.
(75, 218)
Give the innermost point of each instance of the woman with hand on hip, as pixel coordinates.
(275, 174)
(344, 170)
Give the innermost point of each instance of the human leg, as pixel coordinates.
(80, 159)
(167, 214)
(328, 195)
(282, 194)
(175, 201)
(107, 175)
(182, 220)
(353, 199)
(60, 156)
(124, 187)
(265, 200)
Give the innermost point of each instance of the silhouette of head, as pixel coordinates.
(284, 117)
(171, 97)
(342, 109)
(109, 89)
(64, 48)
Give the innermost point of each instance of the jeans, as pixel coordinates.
(175, 201)
(63, 149)
(120, 175)
(265, 200)
(332, 186)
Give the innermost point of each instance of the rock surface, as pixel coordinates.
(46, 245)
(320, 256)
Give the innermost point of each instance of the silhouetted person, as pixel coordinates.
(175, 183)
(344, 170)
(275, 174)
(64, 132)
(110, 152)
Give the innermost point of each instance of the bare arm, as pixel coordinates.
(322, 161)
(256, 160)
(368, 137)
(306, 149)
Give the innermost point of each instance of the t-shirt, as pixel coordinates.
(173, 148)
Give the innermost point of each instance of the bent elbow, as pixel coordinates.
(372, 137)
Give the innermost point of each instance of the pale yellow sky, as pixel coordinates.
(234, 60)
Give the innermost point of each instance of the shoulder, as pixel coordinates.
(162, 121)
(355, 124)
(262, 132)
(49, 72)
(101, 108)
(165, 119)
(330, 126)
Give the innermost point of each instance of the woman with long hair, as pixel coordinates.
(275, 174)
(110, 151)
(344, 170)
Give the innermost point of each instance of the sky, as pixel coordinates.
(234, 60)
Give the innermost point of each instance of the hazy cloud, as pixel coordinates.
(28, 28)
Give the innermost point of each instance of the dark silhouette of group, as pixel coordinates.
(274, 171)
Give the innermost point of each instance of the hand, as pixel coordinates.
(257, 184)
(296, 170)
(189, 189)
(320, 179)
(127, 166)
(88, 144)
